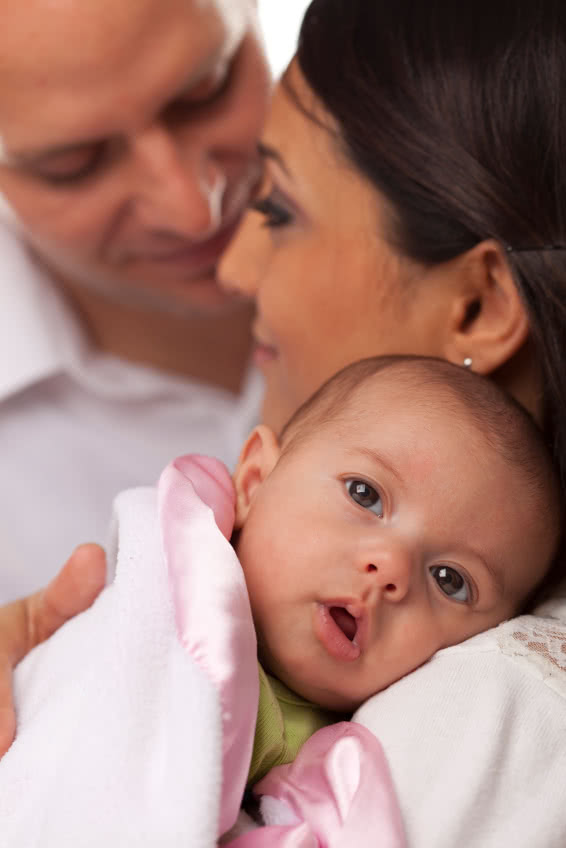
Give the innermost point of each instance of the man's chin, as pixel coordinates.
(202, 295)
(167, 288)
(182, 292)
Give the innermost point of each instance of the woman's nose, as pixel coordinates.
(241, 266)
(387, 572)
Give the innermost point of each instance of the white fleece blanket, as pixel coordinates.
(119, 737)
(136, 720)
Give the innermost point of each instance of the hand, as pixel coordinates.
(26, 623)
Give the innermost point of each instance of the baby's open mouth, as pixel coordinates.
(340, 627)
(346, 622)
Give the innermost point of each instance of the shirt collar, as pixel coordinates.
(42, 337)
(32, 318)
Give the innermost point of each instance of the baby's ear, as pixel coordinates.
(257, 460)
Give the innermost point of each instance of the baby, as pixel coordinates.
(407, 506)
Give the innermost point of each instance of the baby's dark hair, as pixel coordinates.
(505, 426)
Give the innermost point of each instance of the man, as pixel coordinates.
(127, 153)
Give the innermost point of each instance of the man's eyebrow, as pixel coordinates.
(23, 157)
(268, 152)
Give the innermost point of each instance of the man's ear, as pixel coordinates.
(257, 460)
(488, 320)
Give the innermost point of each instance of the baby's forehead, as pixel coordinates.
(417, 415)
(391, 393)
(348, 403)
(491, 428)
(388, 415)
(407, 393)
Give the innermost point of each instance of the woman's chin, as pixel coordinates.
(276, 409)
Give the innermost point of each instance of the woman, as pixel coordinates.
(407, 207)
(414, 200)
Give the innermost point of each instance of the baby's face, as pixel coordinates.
(381, 539)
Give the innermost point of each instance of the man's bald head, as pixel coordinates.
(53, 52)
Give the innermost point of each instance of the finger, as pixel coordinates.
(13, 639)
(72, 591)
(7, 713)
(27, 622)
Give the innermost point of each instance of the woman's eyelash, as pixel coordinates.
(275, 214)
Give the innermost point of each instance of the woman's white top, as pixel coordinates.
(476, 738)
(78, 426)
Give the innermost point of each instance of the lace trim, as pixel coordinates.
(538, 643)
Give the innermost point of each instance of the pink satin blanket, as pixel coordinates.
(338, 792)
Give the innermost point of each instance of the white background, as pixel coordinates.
(280, 21)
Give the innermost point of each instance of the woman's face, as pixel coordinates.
(314, 253)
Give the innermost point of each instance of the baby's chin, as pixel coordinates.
(335, 702)
(302, 684)
(328, 699)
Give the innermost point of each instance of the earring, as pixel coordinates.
(468, 362)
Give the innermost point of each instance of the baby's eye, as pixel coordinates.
(365, 495)
(451, 583)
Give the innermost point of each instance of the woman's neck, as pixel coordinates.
(521, 378)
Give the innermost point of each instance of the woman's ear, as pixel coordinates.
(488, 320)
(257, 460)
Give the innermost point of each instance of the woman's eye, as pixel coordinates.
(451, 583)
(365, 495)
(275, 214)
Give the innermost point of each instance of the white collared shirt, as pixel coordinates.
(78, 426)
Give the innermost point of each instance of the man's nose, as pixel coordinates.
(176, 190)
(387, 571)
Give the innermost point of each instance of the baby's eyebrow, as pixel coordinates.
(379, 459)
(497, 573)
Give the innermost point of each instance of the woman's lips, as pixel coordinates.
(263, 351)
(263, 354)
(333, 626)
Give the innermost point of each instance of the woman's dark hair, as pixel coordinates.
(456, 111)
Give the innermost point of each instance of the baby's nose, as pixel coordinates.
(389, 571)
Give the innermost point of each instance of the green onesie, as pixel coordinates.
(284, 722)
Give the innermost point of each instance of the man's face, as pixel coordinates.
(128, 139)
